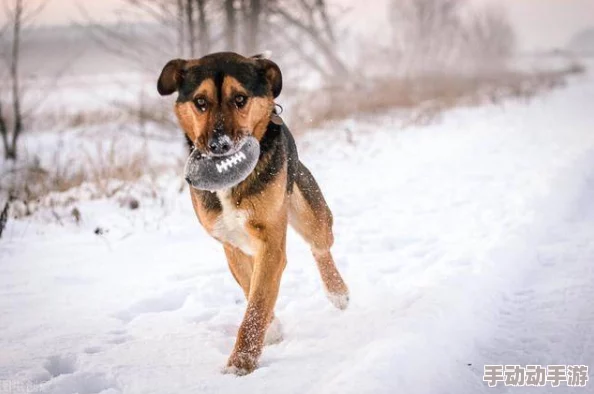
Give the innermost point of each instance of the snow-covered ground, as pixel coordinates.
(464, 243)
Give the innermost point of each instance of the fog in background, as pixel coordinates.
(540, 24)
(58, 39)
(84, 64)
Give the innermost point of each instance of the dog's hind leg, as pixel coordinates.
(241, 266)
(310, 216)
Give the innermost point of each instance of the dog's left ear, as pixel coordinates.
(171, 77)
(273, 74)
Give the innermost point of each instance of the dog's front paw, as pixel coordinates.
(240, 364)
(339, 300)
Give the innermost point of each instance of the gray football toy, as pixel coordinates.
(222, 172)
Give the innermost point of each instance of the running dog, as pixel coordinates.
(222, 99)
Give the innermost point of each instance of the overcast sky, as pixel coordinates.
(539, 23)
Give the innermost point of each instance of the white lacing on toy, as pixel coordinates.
(230, 162)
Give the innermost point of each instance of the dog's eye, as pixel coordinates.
(240, 100)
(200, 103)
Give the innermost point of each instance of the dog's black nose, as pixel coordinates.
(188, 180)
(219, 145)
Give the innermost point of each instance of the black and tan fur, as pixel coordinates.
(250, 219)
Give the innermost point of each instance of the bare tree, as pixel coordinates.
(181, 24)
(15, 112)
(436, 36)
(14, 77)
(17, 15)
(230, 25)
(203, 27)
(426, 33)
(252, 16)
(3, 125)
(181, 31)
(191, 24)
(490, 38)
(312, 24)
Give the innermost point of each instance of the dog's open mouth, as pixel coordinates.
(222, 172)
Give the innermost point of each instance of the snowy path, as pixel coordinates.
(548, 318)
(464, 243)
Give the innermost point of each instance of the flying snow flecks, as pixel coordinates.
(476, 248)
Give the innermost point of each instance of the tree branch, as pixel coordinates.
(324, 47)
(14, 76)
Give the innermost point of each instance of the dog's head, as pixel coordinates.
(222, 98)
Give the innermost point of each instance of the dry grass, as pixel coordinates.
(103, 171)
(111, 167)
(424, 98)
(115, 113)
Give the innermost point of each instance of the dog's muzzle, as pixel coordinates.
(219, 172)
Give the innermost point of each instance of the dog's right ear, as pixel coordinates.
(171, 77)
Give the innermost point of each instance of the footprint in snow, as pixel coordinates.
(93, 349)
(166, 302)
(115, 337)
(202, 317)
(81, 383)
(118, 337)
(60, 365)
(53, 367)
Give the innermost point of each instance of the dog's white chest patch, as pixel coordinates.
(230, 226)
